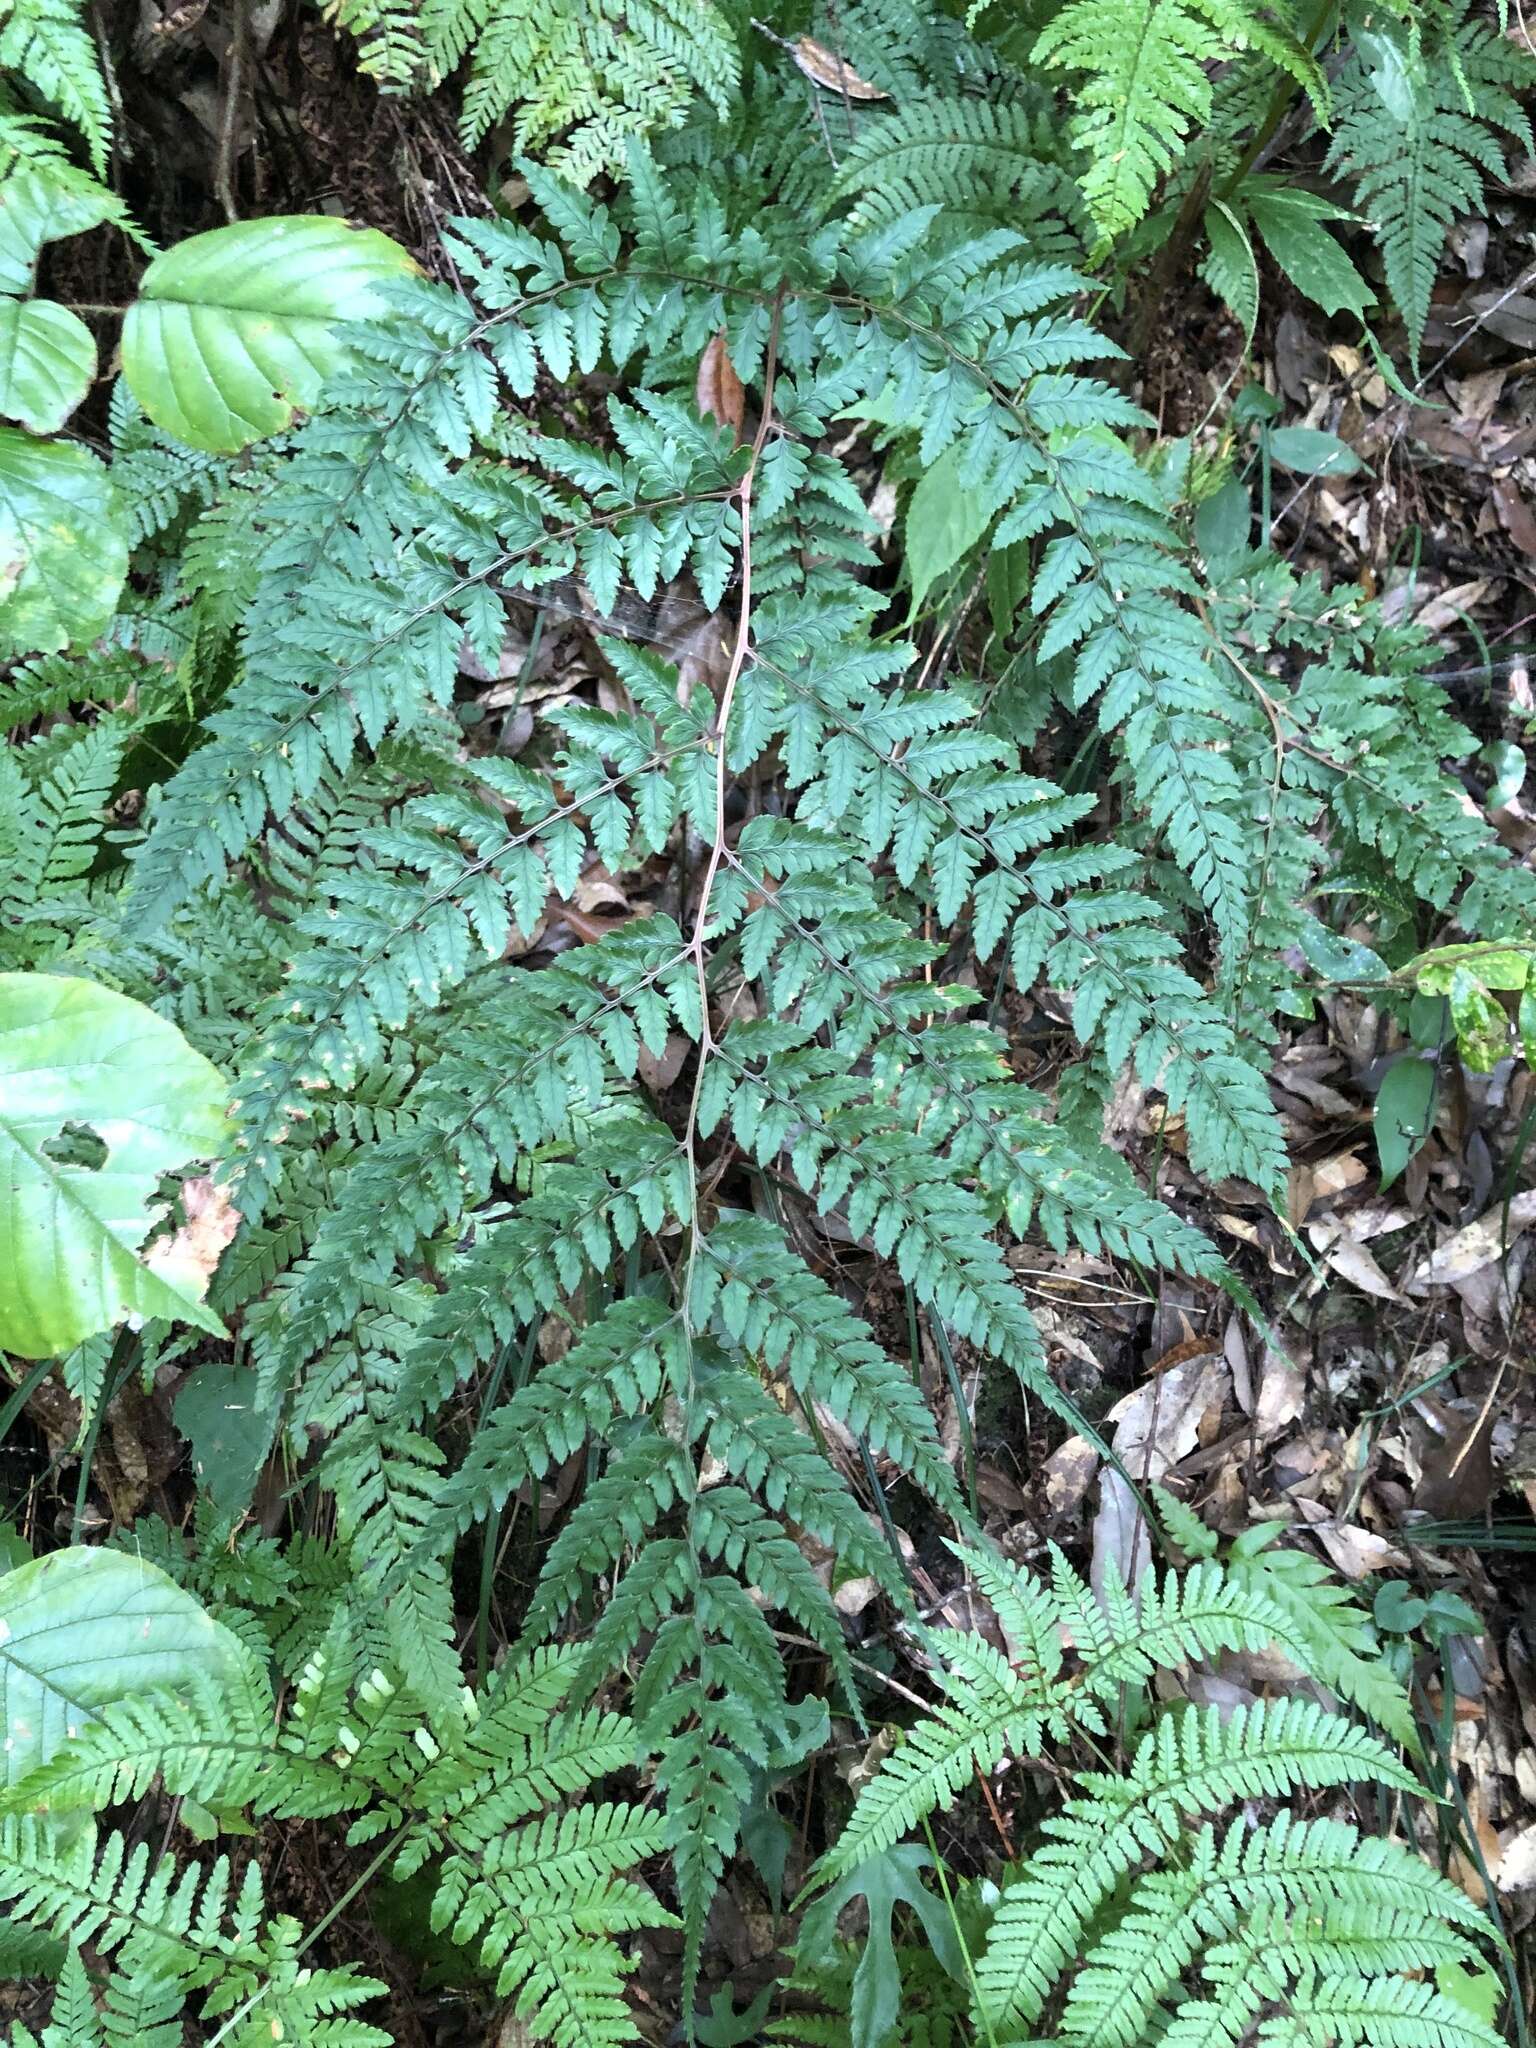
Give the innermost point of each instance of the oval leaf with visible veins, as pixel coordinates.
(234, 331)
(34, 209)
(47, 361)
(63, 555)
(98, 1098)
(82, 1628)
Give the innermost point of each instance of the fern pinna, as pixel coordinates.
(1140, 1916)
(583, 79)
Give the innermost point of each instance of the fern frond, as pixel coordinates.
(1190, 1763)
(982, 159)
(1421, 155)
(1286, 1865)
(45, 43)
(1143, 85)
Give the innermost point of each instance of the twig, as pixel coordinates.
(695, 947)
(997, 1819)
(224, 170)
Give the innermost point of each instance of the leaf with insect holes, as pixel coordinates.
(98, 1098)
(187, 1259)
(1482, 1028)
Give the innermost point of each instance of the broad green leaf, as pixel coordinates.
(1398, 1608)
(1291, 223)
(234, 331)
(1340, 959)
(1473, 1987)
(47, 361)
(63, 555)
(945, 519)
(1310, 452)
(98, 1098)
(1396, 76)
(1507, 771)
(1429, 1022)
(892, 1878)
(230, 1436)
(35, 209)
(1229, 267)
(1405, 1113)
(82, 1628)
(1224, 528)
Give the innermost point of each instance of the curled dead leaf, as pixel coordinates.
(824, 67)
(1357, 1552)
(718, 391)
(1514, 514)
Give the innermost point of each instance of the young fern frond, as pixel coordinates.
(1142, 85)
(1157, 1922)
(542, 1894)
(52, 810)
(1421, 154)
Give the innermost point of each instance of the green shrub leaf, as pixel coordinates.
(47, 361)
(63, 556)
(34, 209)
(1291, 223)
(1311, 452)
(1405, 1108)
(944, 521)
(98, 1098)
(235, 331)
(82, 1628)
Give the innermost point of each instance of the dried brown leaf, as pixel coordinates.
(1352, 1262)
(1282, 1389)
(1478, 1245)
(718, 391)
(1515, 515)
(1356, 1552)
(1515, 1870)
(187, 1259)
(824, 67)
